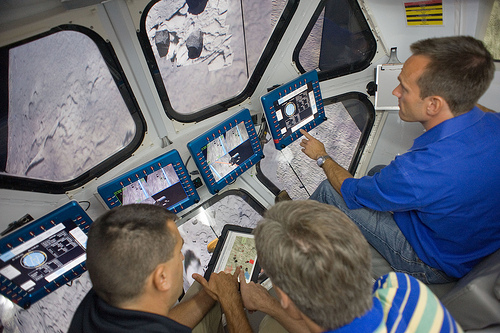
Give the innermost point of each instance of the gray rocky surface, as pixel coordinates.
(222, 68)
(66, 114)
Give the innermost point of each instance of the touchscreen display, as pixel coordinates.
(45, 257)
(293, 106)
(161, 187)
(163, 181)
(296, 109)
(238, 251)
(228, 151)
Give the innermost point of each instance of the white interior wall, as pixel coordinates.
(461, 17)
(391, 20)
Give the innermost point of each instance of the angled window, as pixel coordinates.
(67, 112)
(337, 41)
(491, 39)
(206, 56)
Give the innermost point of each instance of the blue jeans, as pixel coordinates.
(382, 232)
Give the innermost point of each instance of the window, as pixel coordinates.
(67, 112)
(491, 39)
(338, 41)
(206, 56)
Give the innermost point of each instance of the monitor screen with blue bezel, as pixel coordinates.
(44, 255)
(293, 106)
(226, 151)
(163, 181)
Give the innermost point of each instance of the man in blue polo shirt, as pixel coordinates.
(433, 211)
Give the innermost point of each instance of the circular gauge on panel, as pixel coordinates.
(33, 259)
(290, 109)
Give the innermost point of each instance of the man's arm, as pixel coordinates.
(314, 148)
(257, 298)
(224, 287)
(192, 311)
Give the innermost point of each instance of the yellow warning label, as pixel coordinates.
(424, 12)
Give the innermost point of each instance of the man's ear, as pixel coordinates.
(161, 278)
(284, 299)
(288, 305)
(435, 104)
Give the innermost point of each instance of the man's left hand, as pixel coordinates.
(255, 297)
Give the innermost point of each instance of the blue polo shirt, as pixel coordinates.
(401, 303)
(444, 192)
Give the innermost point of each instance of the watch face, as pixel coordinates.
(321, 160)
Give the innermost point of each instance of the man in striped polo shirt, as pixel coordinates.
(320, 263)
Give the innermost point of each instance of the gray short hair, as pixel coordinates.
(319, 258)
(460, 70)
(124, 246)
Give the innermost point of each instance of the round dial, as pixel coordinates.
(290, 109)
(33, 259)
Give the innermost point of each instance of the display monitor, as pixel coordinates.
(226, 151)
(163, 181)
(42, 256)
(235, 248)
(292, 106)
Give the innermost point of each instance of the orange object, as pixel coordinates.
(211, 246)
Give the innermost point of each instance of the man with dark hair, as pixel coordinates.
(319, 264)
(433, 211)
(134, 261)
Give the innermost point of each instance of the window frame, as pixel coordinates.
(489, 47)
(15, 182)
(345, 70)
(261, 66)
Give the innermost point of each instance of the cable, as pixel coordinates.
(88, 202)
(296, 175)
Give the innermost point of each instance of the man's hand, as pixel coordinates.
(334, 172)
(220, 285)
(223, 287)
(255, 297)
(311, 146)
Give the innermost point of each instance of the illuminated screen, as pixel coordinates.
(162, 188)
(235, 248)
(296, 109)
(45, 257)
(293, 106)
(163, 181)
(225, 153)
(239, 250)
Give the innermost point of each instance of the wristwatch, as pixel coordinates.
(321, 160)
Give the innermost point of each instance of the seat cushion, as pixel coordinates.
(475, 300)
